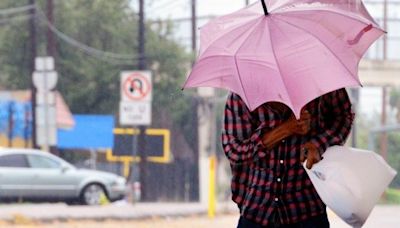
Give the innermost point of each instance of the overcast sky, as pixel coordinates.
(181, 8)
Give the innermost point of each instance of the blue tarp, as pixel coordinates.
(90, 132)
(21, 119)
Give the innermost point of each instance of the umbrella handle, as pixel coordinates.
(264, 7)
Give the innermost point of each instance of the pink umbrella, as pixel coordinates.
(293, 54)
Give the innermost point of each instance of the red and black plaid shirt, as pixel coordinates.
(270, 185)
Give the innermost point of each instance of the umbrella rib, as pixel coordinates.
(277, 64)
(230, 31)
(336, 12)
(236, 64)
(325, 45)
(362, 20)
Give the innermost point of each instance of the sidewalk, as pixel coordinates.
(50, 212)
(384, 216)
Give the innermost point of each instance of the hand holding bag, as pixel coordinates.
(350, 181)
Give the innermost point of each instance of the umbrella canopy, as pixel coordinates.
(293, 53)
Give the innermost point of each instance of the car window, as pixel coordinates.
(37, 161)
(13, 160)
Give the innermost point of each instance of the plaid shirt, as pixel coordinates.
(271, 186)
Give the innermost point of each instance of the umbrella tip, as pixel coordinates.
(265, 8)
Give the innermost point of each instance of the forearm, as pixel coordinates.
(336, 134)
(338, 123)
(241, 140)
(273, 137)
(240, 151)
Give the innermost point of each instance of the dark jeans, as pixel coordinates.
(320, 221)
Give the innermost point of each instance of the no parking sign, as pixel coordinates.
(136, 96)
(136, 86)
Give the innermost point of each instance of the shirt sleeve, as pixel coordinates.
(241, 140)
(338, 119)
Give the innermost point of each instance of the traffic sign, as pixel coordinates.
(135, 113)
(45, 79)
(136, 96)
(44, 63)
(136, 86)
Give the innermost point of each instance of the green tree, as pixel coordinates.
(90, 82)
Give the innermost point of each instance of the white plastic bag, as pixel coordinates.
(350, 182)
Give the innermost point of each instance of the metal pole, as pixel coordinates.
(32, 40)
(10, 124)
(26, 127)
(194, 189)
(355, 95)
(384, 136)
(247, 2)
(141, 138)
(194, 26)
(50, 37)
(385, 28)
(51, 49)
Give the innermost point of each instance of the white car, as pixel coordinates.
(36, 175)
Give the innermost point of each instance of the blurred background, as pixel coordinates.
(97, 83)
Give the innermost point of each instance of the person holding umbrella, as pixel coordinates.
(266, 149)
(286, 70)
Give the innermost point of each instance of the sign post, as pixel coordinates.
(45, 80)
(135, 108)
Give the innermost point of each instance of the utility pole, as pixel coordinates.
(50, 38)
(141, 138)
(194, 186)
(10, 124)
(385, 10)
(247, 2)
(355, 94)
(32, 41)
(51, 48)
(384, 136)
(194, 27)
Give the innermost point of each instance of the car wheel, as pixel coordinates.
(92, 194)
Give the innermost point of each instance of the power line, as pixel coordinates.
(167, 5)
(109, 57)
(15, 18)
(103, 55)
(12, 15)
(16, 10)
(184, 19)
